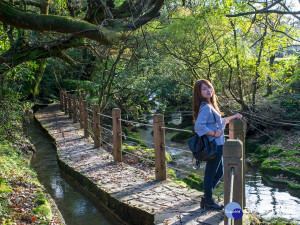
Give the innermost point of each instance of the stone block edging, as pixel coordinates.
(124, 212)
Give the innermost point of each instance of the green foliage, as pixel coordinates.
(11, 112)
(43, 208)
(136, 139)
(4, 188)
(145, 152)
(134, 129)
(17, 174)
(125, 130)
(194, 181)
(251, 147)
(278, 221)
(81, 86)
(295, 145)
(183, 136)
(171, 173)
(261, 154)
(41, 201)
(277, 167)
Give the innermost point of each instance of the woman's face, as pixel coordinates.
(206, 92)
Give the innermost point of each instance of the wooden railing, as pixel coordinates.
(233, 153)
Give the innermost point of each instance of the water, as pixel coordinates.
(261, 199)
(74, 205)
(269, 201)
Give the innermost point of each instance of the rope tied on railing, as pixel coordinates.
(176, 129)
(88, 109)
(70, 91)
(143, 124)
(104, 115)
(110, 131)
(159, 130)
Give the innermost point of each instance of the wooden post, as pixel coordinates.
(85, 119)
(66, 101)
(61, 99)
(117, 135)
(159, 147)
(70, 106)
(96, 126)
(74, 104)
(233, 158)
(81, 112)
(237, 130)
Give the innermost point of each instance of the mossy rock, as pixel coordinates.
(263, 153)
(171, 173)
(278, 221)
(41, 201)
(180, 182)
(289, 153)
(182, 135)
(194, 181)
(274, 167)
(296, 145)
(274, 150)
(172, 125)
(43, 210)
(136, 139)
(149, 153)
(271, 167)
(294, 187)
(129, 149)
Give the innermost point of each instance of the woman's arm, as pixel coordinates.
(201, 122)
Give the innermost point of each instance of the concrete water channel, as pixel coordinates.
(75, 205)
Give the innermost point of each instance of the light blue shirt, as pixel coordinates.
(206, 122)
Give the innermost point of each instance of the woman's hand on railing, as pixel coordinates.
(236, 116)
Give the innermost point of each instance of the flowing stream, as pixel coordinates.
(261, 199)
(74, 204)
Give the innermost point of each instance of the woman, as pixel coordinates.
(208, 121)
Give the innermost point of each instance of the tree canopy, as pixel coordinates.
(103, 21)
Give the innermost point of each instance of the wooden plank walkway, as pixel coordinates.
(126, 190)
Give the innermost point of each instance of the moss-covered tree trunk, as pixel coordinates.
(38, 76)
(269, 81)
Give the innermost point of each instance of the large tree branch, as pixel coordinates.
(12, 58)
(61, 24)
(154, 12)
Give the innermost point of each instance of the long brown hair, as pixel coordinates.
(198, 99)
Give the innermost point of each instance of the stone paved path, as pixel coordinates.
(168, 202)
